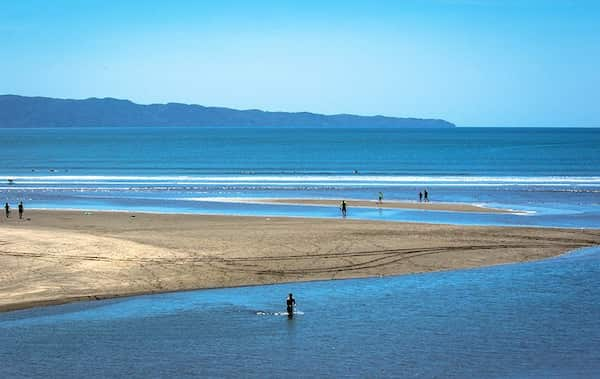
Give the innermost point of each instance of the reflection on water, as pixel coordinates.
(538, 319)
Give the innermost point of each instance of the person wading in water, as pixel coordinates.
(290, 303)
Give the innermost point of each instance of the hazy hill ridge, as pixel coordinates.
(29, 112)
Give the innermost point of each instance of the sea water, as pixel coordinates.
(528, 320)
(550, 176)
(532, 320)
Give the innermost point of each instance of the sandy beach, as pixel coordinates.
(60, 256)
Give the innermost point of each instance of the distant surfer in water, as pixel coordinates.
(380, 197)
(343, 208)
(290, 302)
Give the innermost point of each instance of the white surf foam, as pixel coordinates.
(317, 180)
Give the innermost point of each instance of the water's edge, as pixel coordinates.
(100, 297)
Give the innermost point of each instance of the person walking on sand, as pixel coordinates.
(420, 197)
(343, 208)
(290, 303)
(20, 210)
(7, 209)
(380, 197)
(426, 196)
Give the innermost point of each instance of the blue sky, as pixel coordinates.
(472, 62)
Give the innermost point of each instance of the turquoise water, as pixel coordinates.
(534, 320)
(194, 151)
(553, 174)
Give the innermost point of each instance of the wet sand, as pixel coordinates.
(386, 204)
(60, 256)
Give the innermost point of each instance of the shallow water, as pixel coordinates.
(534, 320)
(553, 173)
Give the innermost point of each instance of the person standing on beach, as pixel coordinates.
(343, 208)
(420, 197)
(7, 209)
(21, 210)
(426, 196)
(380, 197)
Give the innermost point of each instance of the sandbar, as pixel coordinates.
(54, 257)
(387, 204)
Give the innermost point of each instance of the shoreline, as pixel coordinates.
(99, 297)
(58, 257)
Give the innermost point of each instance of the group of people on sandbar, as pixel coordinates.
(424, 196)
(7, 209)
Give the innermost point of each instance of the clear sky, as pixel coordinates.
(472, 62)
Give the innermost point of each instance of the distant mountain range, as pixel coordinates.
(31, 112)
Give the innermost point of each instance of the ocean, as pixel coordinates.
(531, 320)
(551, 175)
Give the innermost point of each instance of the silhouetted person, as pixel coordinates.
(380, 197)
(290, 303)
(420, 197)
(426, 196)
(21, 210)
(7, 209)
(343, 208)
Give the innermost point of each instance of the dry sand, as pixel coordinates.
(60, 256)
(429, 206)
